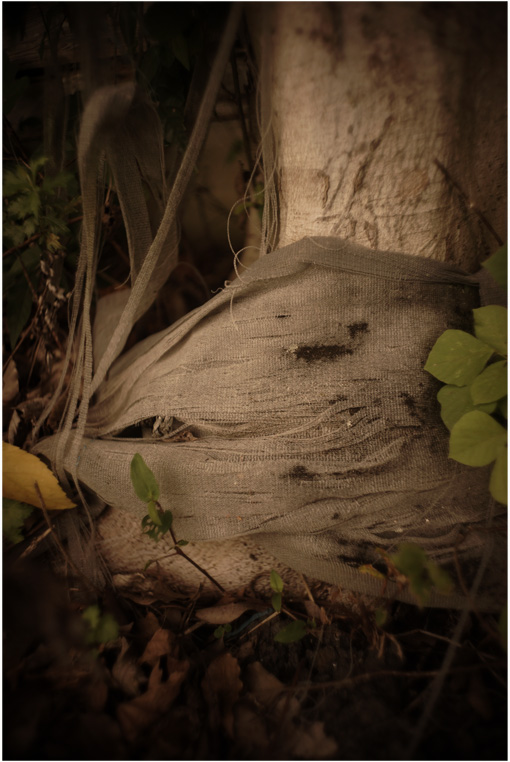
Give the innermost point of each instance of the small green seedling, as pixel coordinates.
(296, 629)
(14, 514)
(222, 630)
(292, 632)
(158, 522)
(276, 583)
(422, 574)
(474, 400)
(101, 628)
(410, 567)
(381, 616)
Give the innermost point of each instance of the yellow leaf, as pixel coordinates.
(21, 470)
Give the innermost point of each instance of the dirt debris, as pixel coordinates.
(167, 688)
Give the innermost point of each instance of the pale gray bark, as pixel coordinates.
(365, 98)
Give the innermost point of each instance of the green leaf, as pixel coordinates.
(372, 571)
(108, 629)
(167, 519)
(31, 258)
(499, 477)
(497, 266)
(410, 559)
(144, 481)
(16, 181)
(14, 514)
(457, 357)
(476, 439)
(491, 327)
(503, 407)
(25, 205)
(381, 616)
(276, 602)
(276, 582)
(154, 514)
(182, 543)
(220, 631)
(440, 578)
(292, 632)
(36, 164)
(102, 628)
(491, 384)
(456, 401)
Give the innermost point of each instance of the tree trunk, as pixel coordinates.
(383, 125)
(390, 124)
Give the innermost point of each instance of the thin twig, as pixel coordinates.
(34, 237)
(27, 330)
(264, 621)
(180, 552)
(307, 589)
(238, 97)
(35, 542)
(367, 676)
(58, 542)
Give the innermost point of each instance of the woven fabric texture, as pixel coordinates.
(316, 428)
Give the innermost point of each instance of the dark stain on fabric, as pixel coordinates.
(412, 406)
(340, 398)
(357, 328)
(302, 474)
(354, 410)
(282, 316)
(335, 516)
(314, 352)
(363, 472)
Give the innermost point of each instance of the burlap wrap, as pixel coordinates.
(317, 429)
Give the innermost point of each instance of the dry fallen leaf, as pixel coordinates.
(250, 728)
(161, 644)
(223, 614)
(310, 742)
(126, 674)
(138, 714)
(221, 687)
(269, 691)
(21, 470)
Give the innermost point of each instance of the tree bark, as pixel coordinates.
(390, 125)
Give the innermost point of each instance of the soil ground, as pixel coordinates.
(167, 688)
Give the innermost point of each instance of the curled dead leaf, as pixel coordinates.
(269, 691)
(162, 643)
(138, 714)
(126, 674)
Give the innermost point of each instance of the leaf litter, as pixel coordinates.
(167, 688)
